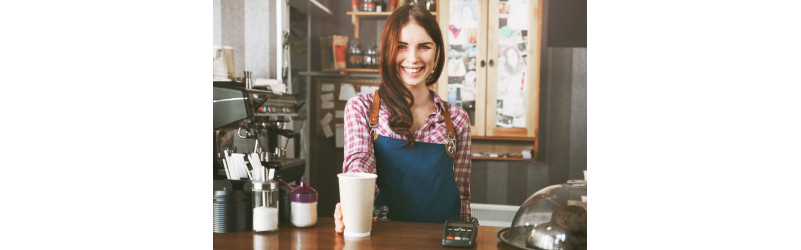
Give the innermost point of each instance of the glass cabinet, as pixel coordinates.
(492, 68)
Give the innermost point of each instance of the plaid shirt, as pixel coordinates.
(359, 155)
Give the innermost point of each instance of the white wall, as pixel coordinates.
(248, 26)
(217, 22)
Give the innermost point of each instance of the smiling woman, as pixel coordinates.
(411, 39)
(417, 144)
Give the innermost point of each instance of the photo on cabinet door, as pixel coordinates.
(456, 67)
(505, 120)
(453, 93)
(463, 17)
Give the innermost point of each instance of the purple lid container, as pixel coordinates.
(303, 193)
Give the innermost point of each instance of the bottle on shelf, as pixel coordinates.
(355, 55)
(370, 58)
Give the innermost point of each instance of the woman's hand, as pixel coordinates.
(339, 226)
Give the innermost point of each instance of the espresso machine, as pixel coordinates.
(248, 121)
(251, 120)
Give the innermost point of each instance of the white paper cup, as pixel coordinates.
(356, 195)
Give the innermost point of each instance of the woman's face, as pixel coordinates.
(416, 55)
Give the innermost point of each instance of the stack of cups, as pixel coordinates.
(284, 209)
(230, 211)
(229, 61)
(223, 63)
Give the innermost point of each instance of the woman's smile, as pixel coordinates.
(412, 69)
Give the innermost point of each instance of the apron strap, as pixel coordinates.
(374, 116)
(450, 147)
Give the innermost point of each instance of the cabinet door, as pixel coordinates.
(513, 72)
(464, 27)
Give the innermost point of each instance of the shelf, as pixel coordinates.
(369, 13)
(357, 73)
(355, 15)
(504, 138)
(503, 145)
(311, 7)
(359, 70)
(500, 158)
(374, 14)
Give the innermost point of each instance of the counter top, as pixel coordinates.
(384, 235)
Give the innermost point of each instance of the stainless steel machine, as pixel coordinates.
(245, 115)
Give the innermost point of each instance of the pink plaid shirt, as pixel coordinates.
(359, 155)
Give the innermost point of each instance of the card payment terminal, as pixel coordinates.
(460, 233)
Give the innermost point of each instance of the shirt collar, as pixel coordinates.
(440, 103)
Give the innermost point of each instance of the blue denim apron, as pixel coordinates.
(417, 183)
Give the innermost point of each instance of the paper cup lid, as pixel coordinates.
(357, 175)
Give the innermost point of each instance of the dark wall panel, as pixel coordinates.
(567, 23)
(559, 62)
(516, 188)
(478, 182)
(578, 114)
(497, 176)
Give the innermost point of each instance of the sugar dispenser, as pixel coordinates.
(265, 206)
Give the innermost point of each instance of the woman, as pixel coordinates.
(423, 167)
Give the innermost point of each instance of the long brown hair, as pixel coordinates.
(393, 92)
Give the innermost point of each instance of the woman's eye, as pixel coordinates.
(425, 47)
(401, 46)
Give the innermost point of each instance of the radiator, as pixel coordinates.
(493, 215)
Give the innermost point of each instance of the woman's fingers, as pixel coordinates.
(339, 226)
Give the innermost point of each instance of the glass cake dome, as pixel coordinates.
(554, 217)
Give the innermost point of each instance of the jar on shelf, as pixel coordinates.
(367, 5)
(431, 5)
(265, 206)
(370, 58)
(354, 55)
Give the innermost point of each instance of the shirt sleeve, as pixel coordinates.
(461, 160)
(359, 156)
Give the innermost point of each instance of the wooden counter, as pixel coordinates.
(385, 235)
